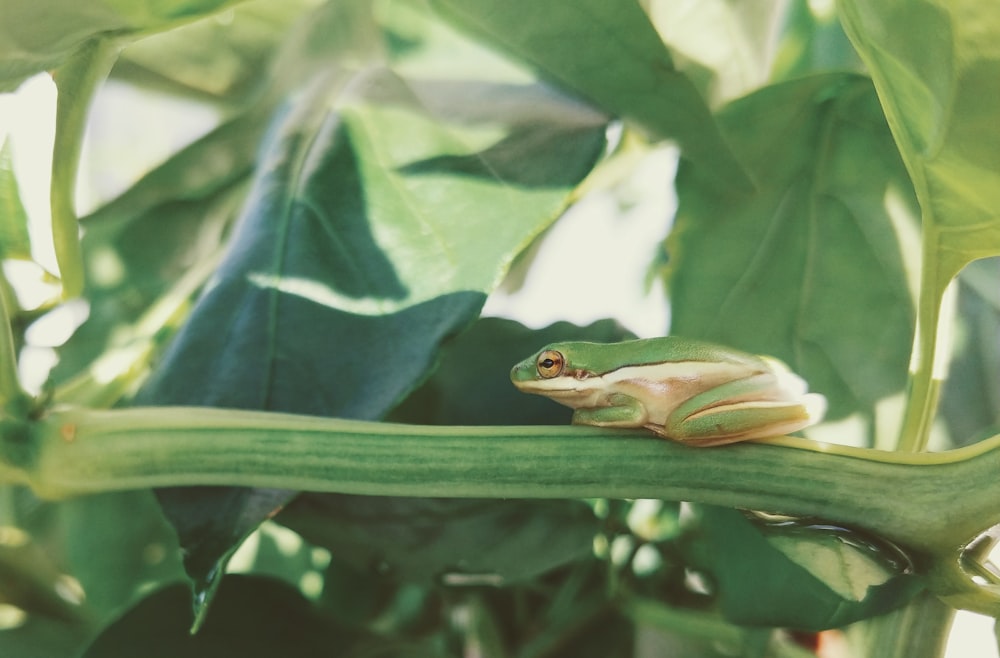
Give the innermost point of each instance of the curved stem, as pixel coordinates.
(76, 81)
(79, 451)
(932, 342)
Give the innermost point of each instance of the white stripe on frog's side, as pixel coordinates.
(663, 387)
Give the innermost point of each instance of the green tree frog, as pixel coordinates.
(686, 390)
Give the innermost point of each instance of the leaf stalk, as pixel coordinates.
(79, 451)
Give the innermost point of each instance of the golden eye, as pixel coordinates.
(550, 364)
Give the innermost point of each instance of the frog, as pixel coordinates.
(687, 390)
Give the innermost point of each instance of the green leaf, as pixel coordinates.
(724, 47)
(808, 268)
(568, 43)
(39, 637)
(936, 66)
(118, 546)
(367, 218)
(483, 395)
(970, 398)
(14, 240)
(253, 618)
(430, 540)
(35, 37)
(218, 59)
(138, 246)
(812, 42)
(372, 233)
(801, 577)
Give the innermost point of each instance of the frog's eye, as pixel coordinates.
(550, 364)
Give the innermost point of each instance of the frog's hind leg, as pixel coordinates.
(753, 408)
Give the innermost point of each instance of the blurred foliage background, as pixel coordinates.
(323, 207)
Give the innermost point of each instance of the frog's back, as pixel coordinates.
(605, 357)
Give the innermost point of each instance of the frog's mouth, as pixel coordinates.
(546, 387)
(563, 387)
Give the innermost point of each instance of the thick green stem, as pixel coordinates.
(76, 81)
(79, 451)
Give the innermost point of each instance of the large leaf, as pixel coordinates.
(255, 617)
(373, 232)
(936, 66)
(569, 44)
(809, 267)
(432, 540)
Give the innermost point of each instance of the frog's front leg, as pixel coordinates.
(624, 411)
(753, 408)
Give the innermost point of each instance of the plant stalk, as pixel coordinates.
(76, 81)
(931, 343)
(79, 451)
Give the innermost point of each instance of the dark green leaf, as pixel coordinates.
(446, 540)
(808, 268)
(569, 44)
(471, 385)
(807, 578)
(253, 617)
(370, 236)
